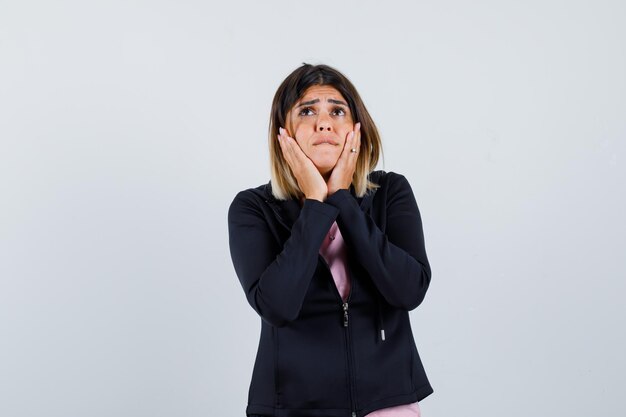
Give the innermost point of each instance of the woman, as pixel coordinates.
(331, 255)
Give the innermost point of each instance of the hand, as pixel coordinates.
(309, 179)
(342, 174)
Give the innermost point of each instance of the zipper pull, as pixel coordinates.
(354, 414)
(345, 314)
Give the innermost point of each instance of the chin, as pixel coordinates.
(325, 166)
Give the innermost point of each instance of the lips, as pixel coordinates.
(322, 141)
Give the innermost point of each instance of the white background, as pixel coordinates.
(127, 127)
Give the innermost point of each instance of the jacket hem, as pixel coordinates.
(417, 395)
(263, 410)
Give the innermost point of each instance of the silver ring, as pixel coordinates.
(353, 150)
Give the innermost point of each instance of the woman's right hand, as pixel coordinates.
(309, 179)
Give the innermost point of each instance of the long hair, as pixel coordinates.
(292, 89)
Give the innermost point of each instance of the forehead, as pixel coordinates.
(321, 92)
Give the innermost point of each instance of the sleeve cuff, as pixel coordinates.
(323, 208)
(338, 197)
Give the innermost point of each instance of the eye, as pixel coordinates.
(338, 111)
(306, 111)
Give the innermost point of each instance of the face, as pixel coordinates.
(320, 122)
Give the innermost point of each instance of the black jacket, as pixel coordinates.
(318, 356)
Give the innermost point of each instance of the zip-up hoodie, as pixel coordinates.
(319, 356)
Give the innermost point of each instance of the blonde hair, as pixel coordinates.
(284, 183)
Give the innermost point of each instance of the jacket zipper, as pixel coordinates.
(349, 353)
(346, 321)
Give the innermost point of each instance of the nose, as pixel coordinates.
(323, 123)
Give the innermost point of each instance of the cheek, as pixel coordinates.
(298, 134)
(345, 131)
(301, 131)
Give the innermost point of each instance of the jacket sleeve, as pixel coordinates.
(396, 260)
(276, 279)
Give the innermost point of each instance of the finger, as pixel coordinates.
(288, 144)
(355, 141)
(294, 155)
(351, 148)
(287, 151)
(297, 152)
(282, 143)
(357, 136)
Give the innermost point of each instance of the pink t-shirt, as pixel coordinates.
(334, 251)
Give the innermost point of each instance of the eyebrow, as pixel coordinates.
(330, 100)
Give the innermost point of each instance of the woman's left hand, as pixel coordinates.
(342, 174)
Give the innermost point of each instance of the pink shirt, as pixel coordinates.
(334, 251)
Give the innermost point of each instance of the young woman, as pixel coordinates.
(331, 255)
